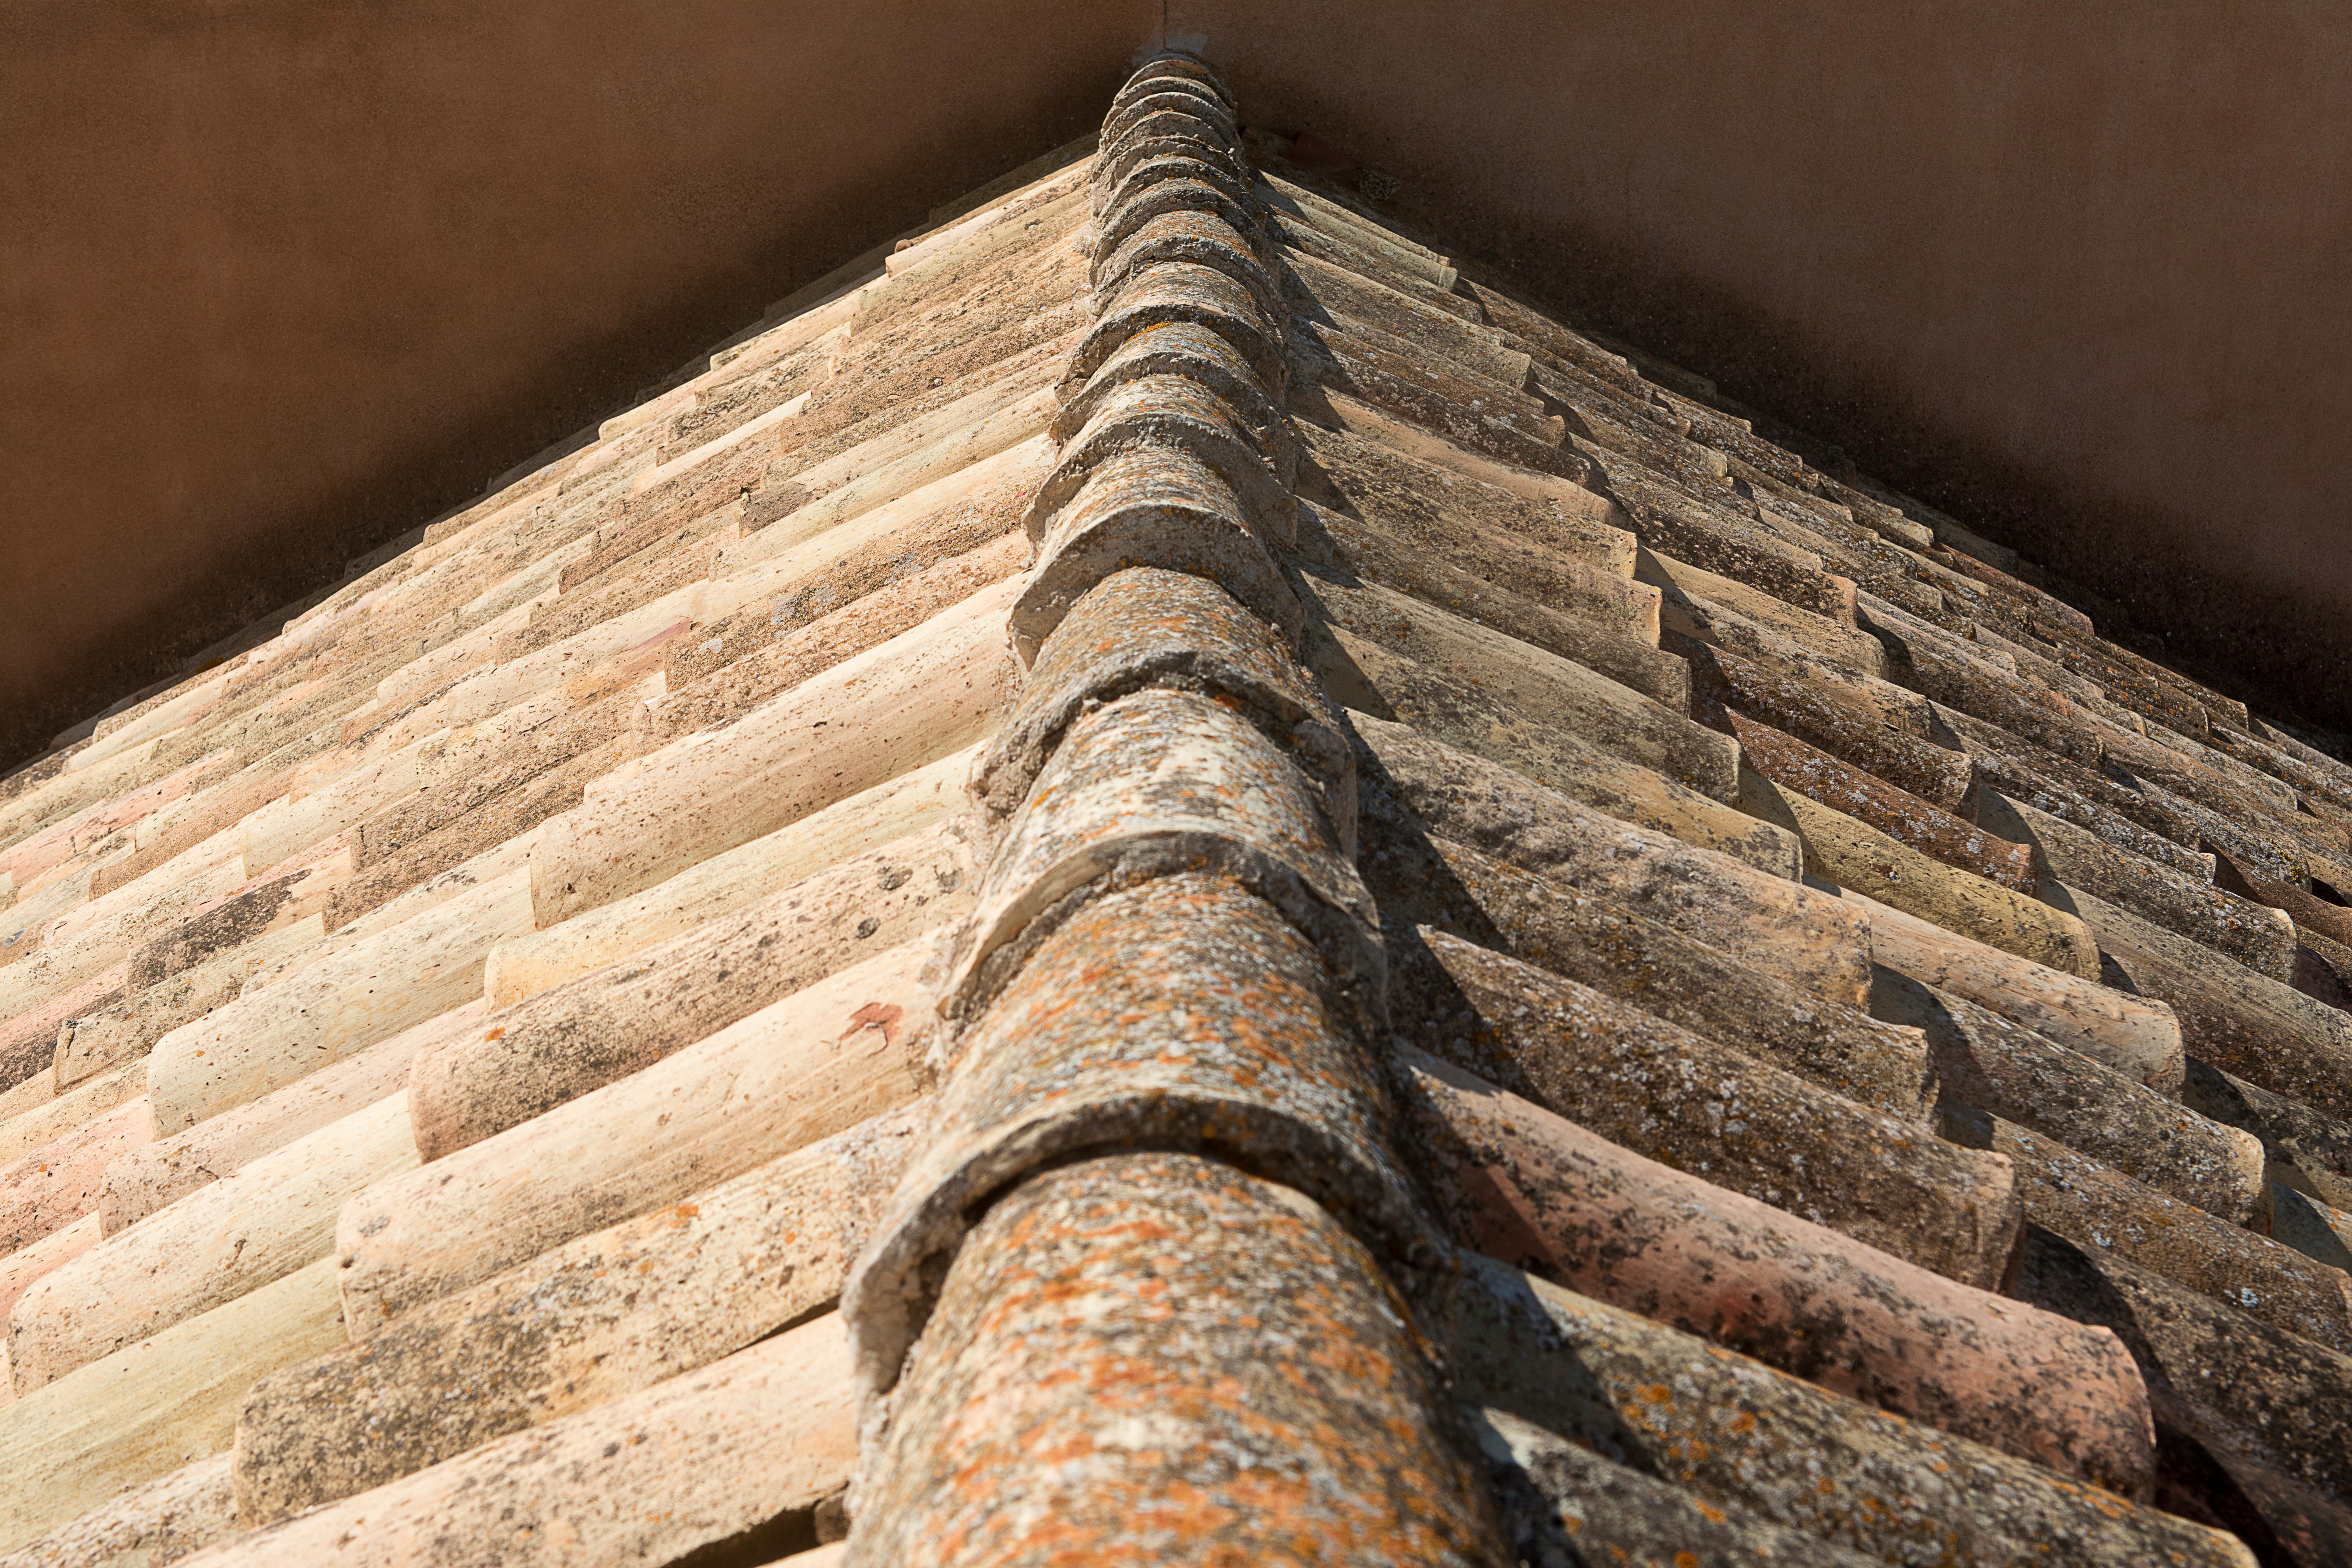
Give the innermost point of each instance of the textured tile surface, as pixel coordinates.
(1173, 882)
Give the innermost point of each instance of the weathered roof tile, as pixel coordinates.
(1743, 1435)
(881, 820)
(1538, 1189)
(1148, 1356)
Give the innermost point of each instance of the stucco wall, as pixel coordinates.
(280, 279)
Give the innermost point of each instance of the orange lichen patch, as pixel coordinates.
(1050, 1411)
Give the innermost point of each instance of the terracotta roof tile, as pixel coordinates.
(1347, 921)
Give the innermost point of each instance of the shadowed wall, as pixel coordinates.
(281, 280)
(2081, 273)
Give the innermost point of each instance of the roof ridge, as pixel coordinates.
(1349, 910)
(1171, 781)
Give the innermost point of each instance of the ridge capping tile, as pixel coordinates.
(1172, 410)
(1148, 783)
(1179, 94)
(1145, 626)
(1181, 1013)
(1151, 134)
(1184, 235)
(1174, 181)
(1182, 291)
(1159, 506)
(1174, 953)
(1183, 66)
(1194, 351)
(1090, 1391)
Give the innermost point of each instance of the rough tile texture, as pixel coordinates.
(1346, 922)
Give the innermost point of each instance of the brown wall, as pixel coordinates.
(2080, 272)
(280, 279)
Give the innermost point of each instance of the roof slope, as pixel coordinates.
(1172, 882)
